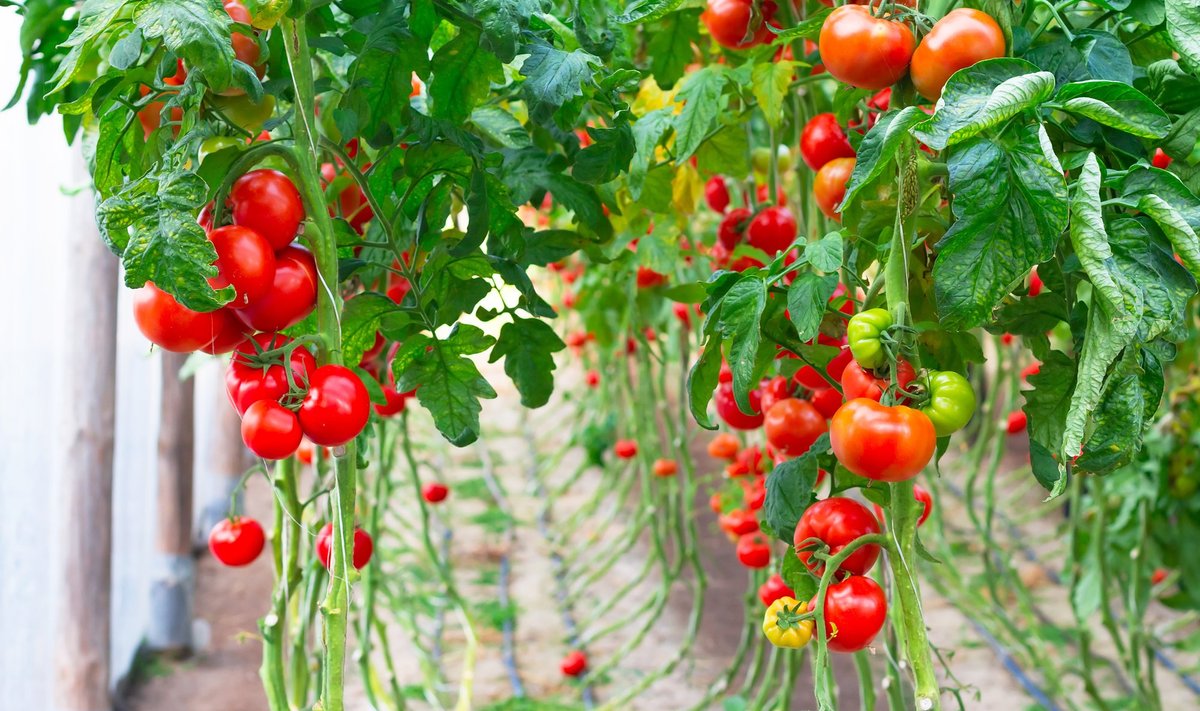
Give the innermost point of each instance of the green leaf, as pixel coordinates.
(1010, 208)
(726, 152)
(1090, 239)
(1126, 409)
(692, 293)
(1183, 238)
(607, 157)
(500, 127)
(808, 297)
(502, 22)
(554, 77)
(1183, 29)
(790, 490)
(360, 323)
(984, 96)
(739, 323)
(670, 46)
(96, 18)
(702, 381)
(528, 346)
(879, 147)
(700, 116)
(1145, 260)
(770, 84)
(462, 76)
(382, 73)
(796, 576)
(1102, 344)
(825, 254)
(529, 170)
(648, 131)
(646, 11)
(196, 30)
(809, 29)
(447, 382)
(1114, 104)
(1091, 54)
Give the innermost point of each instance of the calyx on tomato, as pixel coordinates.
(863, 334)
(785, 624)
(837, 522)
(872, 384)
(880, 442)
(951, 401)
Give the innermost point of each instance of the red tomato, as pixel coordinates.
(726, 374)
(625, 448)
(716, 194)
(648, 278)
(774, 390)
(230, 331)
(754, 550)
(738, 523)
(755, 493)
(731, 231)
(1035, 282)
(957, 41)
(1006, 339)
(1031, 369)
(150, 115)
(373, 352)
(829, 187)
(837, 521)
(864, 51)
(435, 492)
(811, 379)
(683, 313)
(774, 589)
(855, 610)
(267, 202)
(751, 459)
(880, 442)
(921, 494)
(723, 446)
(1159, 575)
(824, 140)
(248, 382)
(665, 467)
(844, 301)
(573, 664)
(728, 21)
(772, 230)
(174, 327)
(398, 288)
(363, 546)
(395, 401)
(592, 378)
(245, 47)
(236, 541)
(244, 260)
(336, 407)
(827, 401)
(792, 425)
(762, 194)
(857, 382)
(1017, 421)
(727, 408)
(293, 293)
(270, 430)
(1160, 160)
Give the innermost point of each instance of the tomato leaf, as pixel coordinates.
(807, 299)
(500, 127)
(646, 11)
(553, 77)
(702, 381)
(448, 383)
(1126, 408)
(608, 157)
(530, 170)
(1183, 29)
(984, 96)
(1146, 261)
(1010, 209)
(360, 322)
(790, 490)
(770, 82)
(648, 130)
(382, 72)
(738, 323)
(825, 254)
(726, 152)
(462, 72)
(1115, 104)
(1091, 54)
(670, 46)
(879, 147)
(810, 28)
(701, 93)
(502, 22)
(527, 346)
(796, 576)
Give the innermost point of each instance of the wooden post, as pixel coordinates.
(173, 584)
(81, 656)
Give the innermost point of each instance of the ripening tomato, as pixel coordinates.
(824, 140)
(921, 494)
(881, 442)
(827, 401)
(738, 523)
(363, 546)
(751, 459)
(723, 446)
(716, 194)
(244, 260)
(174, 327)
(1031, 369)
(772, 230)
(774, 589)
(958, 40)
(732, 229)
(267, 202)
(811, 379)
(1017, 422)
(336, 407)
(855, 610)
(792, 425)
(729, 22)
(395, 401)
(236, 541)
(1161, 159)
(829, 187)
(271, 430)
(725, 375)
(865, 51)
(574, 664)
(754, 550)
(245, 47)
(858, 382)
(435, 492)
(1159, 575)
(728, 410)
(665, 467)
(150, 115)
(248, 382)
(625, 448)
(774, 390)
(837, 521)
(293, 293)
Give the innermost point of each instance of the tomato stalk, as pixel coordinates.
(321, 240)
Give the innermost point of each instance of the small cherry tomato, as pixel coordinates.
(728, 410)
(244, 260)
(270, 430)
(792, 425)
(435, 492)
(774, 589)
(1017, 421)
(236, 541)
(754, 550)
(732, 229)
(665, 467)
(855, 610)
(772, 230)
(716, 194)
(829, 186)
(824, 140)
(336, 407)
(729, 22)
(574, 664)
(363, 546)
(723, 446)
(625, 448)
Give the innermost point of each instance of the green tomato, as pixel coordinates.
(216, 144)
(760, 158)
(243, 112)
(863, 333)
(951, 401)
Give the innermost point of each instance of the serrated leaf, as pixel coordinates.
(502, 22)
(500, 127)
(701, 93)
(879, 147)
(790, 490)
(647, 132)
(462, 76)
(527, 346)
(807, 299)
(670, 46)
(607, 157)
(196, 30)
(382, 73)
(1147, 263)
(984, 96)
(360, 323)
(825, 254)
(646, 11)
(809, 29)
(553, 77)
(1117, 105)
(1183, 29)
(739, 324)
(447, 382)
(770, 81)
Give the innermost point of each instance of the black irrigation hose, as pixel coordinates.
(556, 562)
(508, 649)
(1014, 532)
